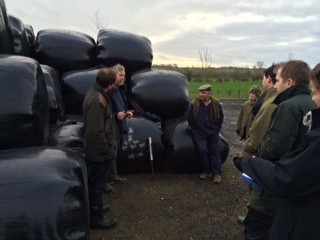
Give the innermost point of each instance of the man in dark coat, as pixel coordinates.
(100, 144)
(205, 118)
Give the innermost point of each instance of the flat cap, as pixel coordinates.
(205, 87)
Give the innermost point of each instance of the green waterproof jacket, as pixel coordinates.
(101, 137)
(284, 135)
(260, 123)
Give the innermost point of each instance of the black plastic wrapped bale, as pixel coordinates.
(21, 45)
(181, 153)
(24, 112)
(65, 50)
(224, 148)
(74, 86)
(6, 38)
(135, 154)
(160, 92)
(57, 109)
(131, 50)
(68, 134)
(30, 34)
(43, 194)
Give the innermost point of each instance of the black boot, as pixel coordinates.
(106, 208)
(97, 221)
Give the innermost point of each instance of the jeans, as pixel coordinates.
(98, 174)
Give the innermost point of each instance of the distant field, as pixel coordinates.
(224, 90)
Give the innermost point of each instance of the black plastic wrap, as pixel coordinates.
(43, 194)
(65, 50)
(181, 153)
(131, 50)
(68, 134)
(74, 88)
(57, 109)
(160, 92)
(30, 34)
(20, 36)
(24, 112)
(6, 38)
(135, 153)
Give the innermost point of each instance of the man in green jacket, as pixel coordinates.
(262, 120)
(284, 134)
(100, 144)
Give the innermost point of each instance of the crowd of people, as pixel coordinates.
(280, 156)
(279, 125)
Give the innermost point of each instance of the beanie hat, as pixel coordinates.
(255, 89)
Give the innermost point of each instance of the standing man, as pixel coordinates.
(205, 118)
(100, 144)
(245, 117)
(262, 120)
(283, 135)
(119, 103)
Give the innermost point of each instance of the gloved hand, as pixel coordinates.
(237, 163)
(238, 132)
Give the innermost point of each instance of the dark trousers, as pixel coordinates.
(257, 225)
(98, 174)
(209, 152)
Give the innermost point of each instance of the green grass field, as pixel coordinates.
(224, 90)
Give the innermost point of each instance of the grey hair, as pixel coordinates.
(118, 68)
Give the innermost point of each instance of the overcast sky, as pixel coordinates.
(235, 32)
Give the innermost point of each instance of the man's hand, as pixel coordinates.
(129, 113)
(121, 115)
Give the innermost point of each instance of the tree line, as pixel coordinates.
(219, 74)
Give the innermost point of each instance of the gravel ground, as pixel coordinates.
(181, 206)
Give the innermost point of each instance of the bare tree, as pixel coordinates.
(205, 58)
(260, 64)
(100, 22)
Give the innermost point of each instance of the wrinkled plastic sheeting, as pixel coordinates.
(75, 86)
(30, 35)
(6, 38)
(43, 194)
(24, 113)
(133, 51)
(65, 50)
(68, 134)
(161, 92)
(19, 36)
(57, 108)
(135, 151)
(181, 153)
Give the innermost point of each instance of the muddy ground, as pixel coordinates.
(181, 206)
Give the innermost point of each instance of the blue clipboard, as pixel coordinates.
(247, 179)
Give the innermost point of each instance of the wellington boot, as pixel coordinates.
(114, 173)
(106, 208)
(102, 223)
(97, 220)
(117, 178)
(109, 189)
